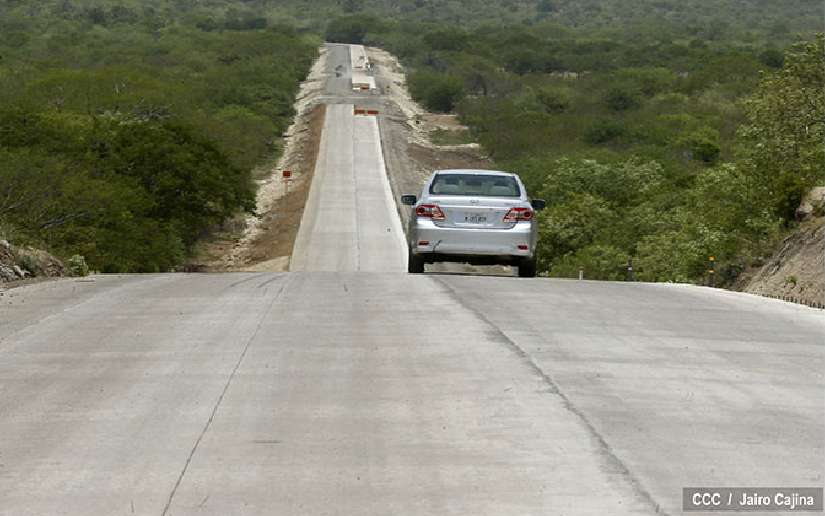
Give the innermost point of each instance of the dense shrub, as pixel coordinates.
(595, 262)
(603, 131)
(127, 156)
(438, 92)
(350, 29)
(786, 127)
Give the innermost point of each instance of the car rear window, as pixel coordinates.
(475, 185)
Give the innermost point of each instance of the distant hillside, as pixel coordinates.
(711, 18)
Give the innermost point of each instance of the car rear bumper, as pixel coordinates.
(473, 245)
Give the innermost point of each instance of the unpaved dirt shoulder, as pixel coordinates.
(269, 245)
(263, 241)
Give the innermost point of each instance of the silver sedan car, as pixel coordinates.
(480, 217)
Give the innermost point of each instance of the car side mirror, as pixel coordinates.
(409, 200)
(538, 204)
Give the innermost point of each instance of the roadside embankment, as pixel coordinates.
(22, 264)
(796, 271)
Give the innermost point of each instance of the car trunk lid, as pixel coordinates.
(474, 212)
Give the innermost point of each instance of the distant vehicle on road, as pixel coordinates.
(480, 217)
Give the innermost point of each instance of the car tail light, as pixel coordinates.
(517, 214)
(429, 211)
(423, 243)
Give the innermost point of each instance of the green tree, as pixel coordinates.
(351, 6)
(702, 144)
(772, 57)
(621, 98)
(351, 29)
(726, 199)
(193, 185)
(567, 227)
(782, 139)
(596, 262)
(439, 92)
(604, 131)
(620, 183)
(554, 99)
(446, 39)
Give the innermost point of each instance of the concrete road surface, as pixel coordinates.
(348, 388)
(371, 393)
(350, 222)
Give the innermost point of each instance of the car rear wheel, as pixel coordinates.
(527, 269)
(415, 265)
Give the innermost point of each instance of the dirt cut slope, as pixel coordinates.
(796, 272)
(22, 264)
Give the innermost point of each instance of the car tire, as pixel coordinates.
(527, 268)
(415, 264)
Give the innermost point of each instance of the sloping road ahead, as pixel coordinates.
(350, 221)
(333, 391)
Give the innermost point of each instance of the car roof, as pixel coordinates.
(474, 171)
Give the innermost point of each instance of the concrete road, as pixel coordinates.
(684, 386)
(339, 71)
(333, 390)
(350, 222)
(376, 393)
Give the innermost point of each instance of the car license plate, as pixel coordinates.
(475, 219)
